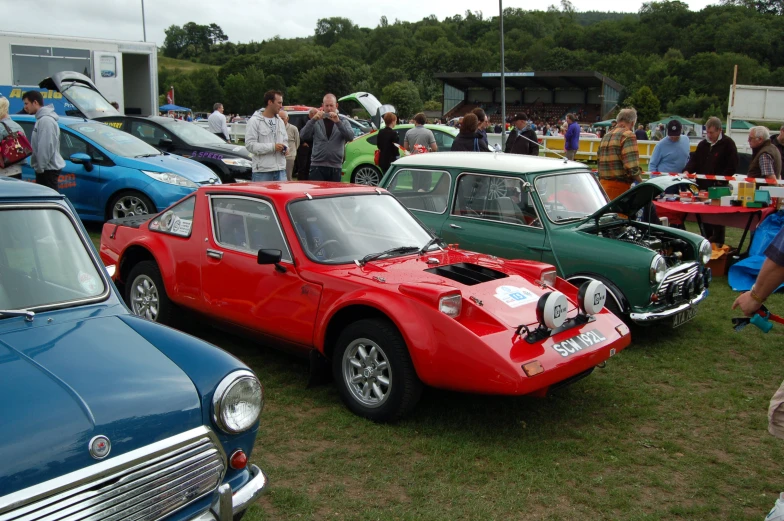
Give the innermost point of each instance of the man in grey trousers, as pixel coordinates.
(45, 140)
(329, 135)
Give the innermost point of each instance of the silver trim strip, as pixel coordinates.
(653, 316)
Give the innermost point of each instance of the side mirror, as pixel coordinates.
(165, 143)
(271, 257)
(82, 159)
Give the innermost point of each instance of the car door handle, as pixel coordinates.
(456, 227)
(215, 254)
(540, 248)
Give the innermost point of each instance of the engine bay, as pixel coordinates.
(673, 249)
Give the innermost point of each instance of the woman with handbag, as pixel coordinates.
(386, 141)
(9, 129)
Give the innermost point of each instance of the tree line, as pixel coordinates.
(669, 58)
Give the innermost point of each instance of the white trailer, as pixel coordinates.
(125, 72)
(755, 103)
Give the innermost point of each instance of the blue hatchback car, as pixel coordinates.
(109, 173)
(105, 415)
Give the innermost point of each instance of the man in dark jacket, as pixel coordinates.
(469, 140)
(330, 135)
(718, 155)
(778, 141)
(484, 122)
(523, 140)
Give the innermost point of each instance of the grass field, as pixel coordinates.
(674, 428)
(183, 65)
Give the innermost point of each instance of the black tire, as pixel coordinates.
(225, 178)
(239, 515)
(403, 388)
(145, 281)
(366, 175)
(129, 203)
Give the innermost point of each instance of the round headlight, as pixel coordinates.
(705, 251)
(551, 309)
(591, 297)
(237, 402)
(658, 267)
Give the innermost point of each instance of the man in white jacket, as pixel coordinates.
(266, 138)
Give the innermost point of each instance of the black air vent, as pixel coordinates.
(468, 274)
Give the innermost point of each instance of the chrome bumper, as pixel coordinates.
(645, 318)
(226, 504)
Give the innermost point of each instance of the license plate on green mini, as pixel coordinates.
(684, 316)
(579, 342)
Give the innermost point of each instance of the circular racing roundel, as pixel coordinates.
(100, 447)
(591, 297)
(551, 309)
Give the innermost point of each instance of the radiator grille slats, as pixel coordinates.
(678, 278)
(146, 491)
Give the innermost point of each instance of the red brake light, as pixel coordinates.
(238, 460)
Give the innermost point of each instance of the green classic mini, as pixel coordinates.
(555, 211)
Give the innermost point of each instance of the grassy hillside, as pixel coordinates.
(182, 65)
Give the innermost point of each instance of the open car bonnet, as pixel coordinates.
(81, 92)
(371, 104)
(631, 201)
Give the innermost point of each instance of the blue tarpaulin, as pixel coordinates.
(51, 97)
(742, 275)
(175, 108)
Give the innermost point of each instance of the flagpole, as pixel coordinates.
(144, 24)
(503, 79)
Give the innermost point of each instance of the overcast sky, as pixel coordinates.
(246, 20)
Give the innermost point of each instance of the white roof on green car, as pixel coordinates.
(497, 161)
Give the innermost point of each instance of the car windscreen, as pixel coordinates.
(342, 229)
(567, 197)
(115, 141)
(192, 134)
(88, 101)
(43, 261)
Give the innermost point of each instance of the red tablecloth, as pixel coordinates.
(734, 216)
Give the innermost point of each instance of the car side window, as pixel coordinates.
(150, 134)
(495, 198)
(443, 140)
(177, 220)
(70, 144)
(373, 140)
(423, 190)
(247, 224)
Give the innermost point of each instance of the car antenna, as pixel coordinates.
(566, 160)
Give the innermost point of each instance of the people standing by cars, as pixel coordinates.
(778, 141)
(304, 152)
(523, 139)
(386, 142)
(45, 140)
(484, 122)
(765, 158)
(419, 135)
(330, 135)
(266, 138)
(469, 140)
(292, 144)
(670, 154)
(572, 137)
(618, 156)
(717, 155)
(9, 127)
(640, 133)
(217, 122)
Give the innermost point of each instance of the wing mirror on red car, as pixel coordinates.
(271, 257)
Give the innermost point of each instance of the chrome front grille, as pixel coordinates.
(675, 277)
(144, 485)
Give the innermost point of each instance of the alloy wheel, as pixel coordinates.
(144, 298)
(367, 373)
(128, 206)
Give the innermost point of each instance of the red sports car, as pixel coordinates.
(345, 273)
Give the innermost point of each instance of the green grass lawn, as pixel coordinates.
(674, 428)
(183, 65)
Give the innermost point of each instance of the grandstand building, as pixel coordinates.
(545, 96)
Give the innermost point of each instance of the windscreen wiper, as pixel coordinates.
(400, 249)
(149, 155)
(29, 315)
(434, 240)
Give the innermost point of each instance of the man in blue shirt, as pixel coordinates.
(572, 137)
(671, 154)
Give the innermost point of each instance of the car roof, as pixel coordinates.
(63, 120)
(288, 190)
(16, 189)
(489, 161)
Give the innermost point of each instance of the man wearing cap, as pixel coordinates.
(671, 154)
(523, 139)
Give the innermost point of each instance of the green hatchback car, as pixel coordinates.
(555, 211)
(358, 166)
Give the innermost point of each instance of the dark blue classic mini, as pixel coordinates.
(107, 416)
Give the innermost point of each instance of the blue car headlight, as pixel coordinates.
(237, 402)
(237, 161)
(171, 178)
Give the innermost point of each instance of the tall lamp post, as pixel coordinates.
(144, 24)
(503, 79)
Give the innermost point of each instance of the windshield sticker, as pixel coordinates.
(86, 129)
(88, 283)
(210, 155)
(515, 297)
(181, 227)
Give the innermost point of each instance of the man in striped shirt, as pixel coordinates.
(619, 159)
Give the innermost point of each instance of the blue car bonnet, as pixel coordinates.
(68, 382)
(187, 168)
